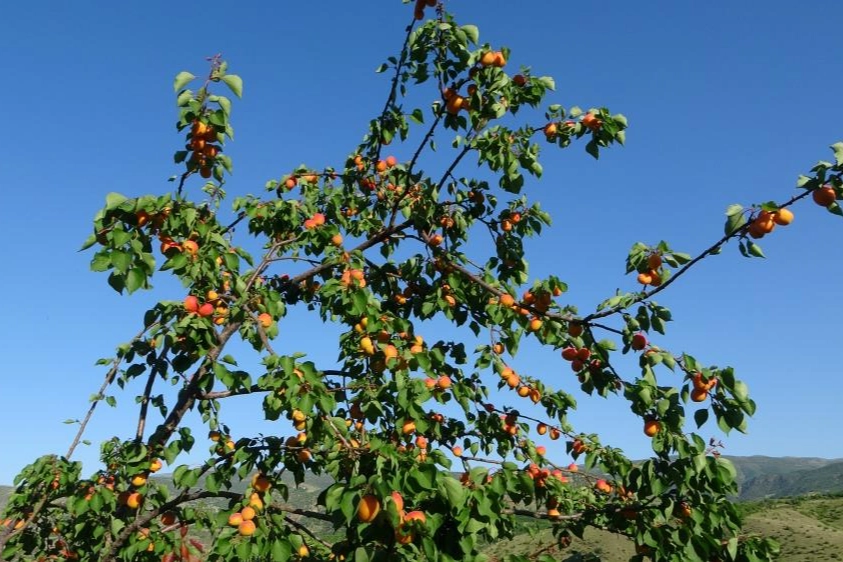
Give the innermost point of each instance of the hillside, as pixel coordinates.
(808, 529)
(758, 465)
(825, 479)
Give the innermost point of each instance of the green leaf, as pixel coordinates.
(733, 210)
(453, 490)
(700, 417)
(734, 222)
(838, 152)
(114, 200)
(135, 280)
(755, 250)
(740, 391)
(472, 32)
(234, 83)
(182, 78)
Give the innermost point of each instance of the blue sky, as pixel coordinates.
(727, 102)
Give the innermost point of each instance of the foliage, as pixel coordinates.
(382, 246)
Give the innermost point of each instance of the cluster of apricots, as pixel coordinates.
(201, 139)
(540, 303)
(442, 382)
(510, 423)
(355, 277)
(578, 357)
(766, 221)
(652, 274)
(455, 102)
(540, 475)
(244, 519)
(214, 306)
(223, 446)
(553, 432)
(133, 498)
(509, 219)
(590, 121)
(291, 181)
(318, 219)
(701, 387)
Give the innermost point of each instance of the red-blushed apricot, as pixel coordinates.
(368, 508)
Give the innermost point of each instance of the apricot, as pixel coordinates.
(133, 500)
(824, 195)
(639, 342)
(261, 483)
(246, 528)
(783, 217)
(265, 320)
(368, 508)
(591, 121)
(645, 278)
(699, 395)
(206, 310)
(248, 513)
(652, 427)
(455, 104)
(550, 130)
(488, 58)
(519, 80)
(654, 261)
(191, 304)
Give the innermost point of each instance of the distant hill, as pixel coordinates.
(807, 528)
(757, 465)
(824, 479)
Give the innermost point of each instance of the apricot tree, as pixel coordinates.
(423, 464)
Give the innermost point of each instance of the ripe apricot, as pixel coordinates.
(783, 217)
(248, 513)
(524, 391)
(133, 500)
(519, 80)
(639, 342)
(265, 319)
(541, 428)
(654, 261)
(699, 394)
(246, 528)
(569, 353)
(550, 130)
(455, 104)
(824, 196)
(191, 304)
(645, 278)
(575, 330)
(591, 121)
(488, 58)
(408, 427)
(368, 508)
(444, 382)
(206, 310)
(535, 324)
(652, 427)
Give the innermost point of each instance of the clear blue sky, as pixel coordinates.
(727, 102)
